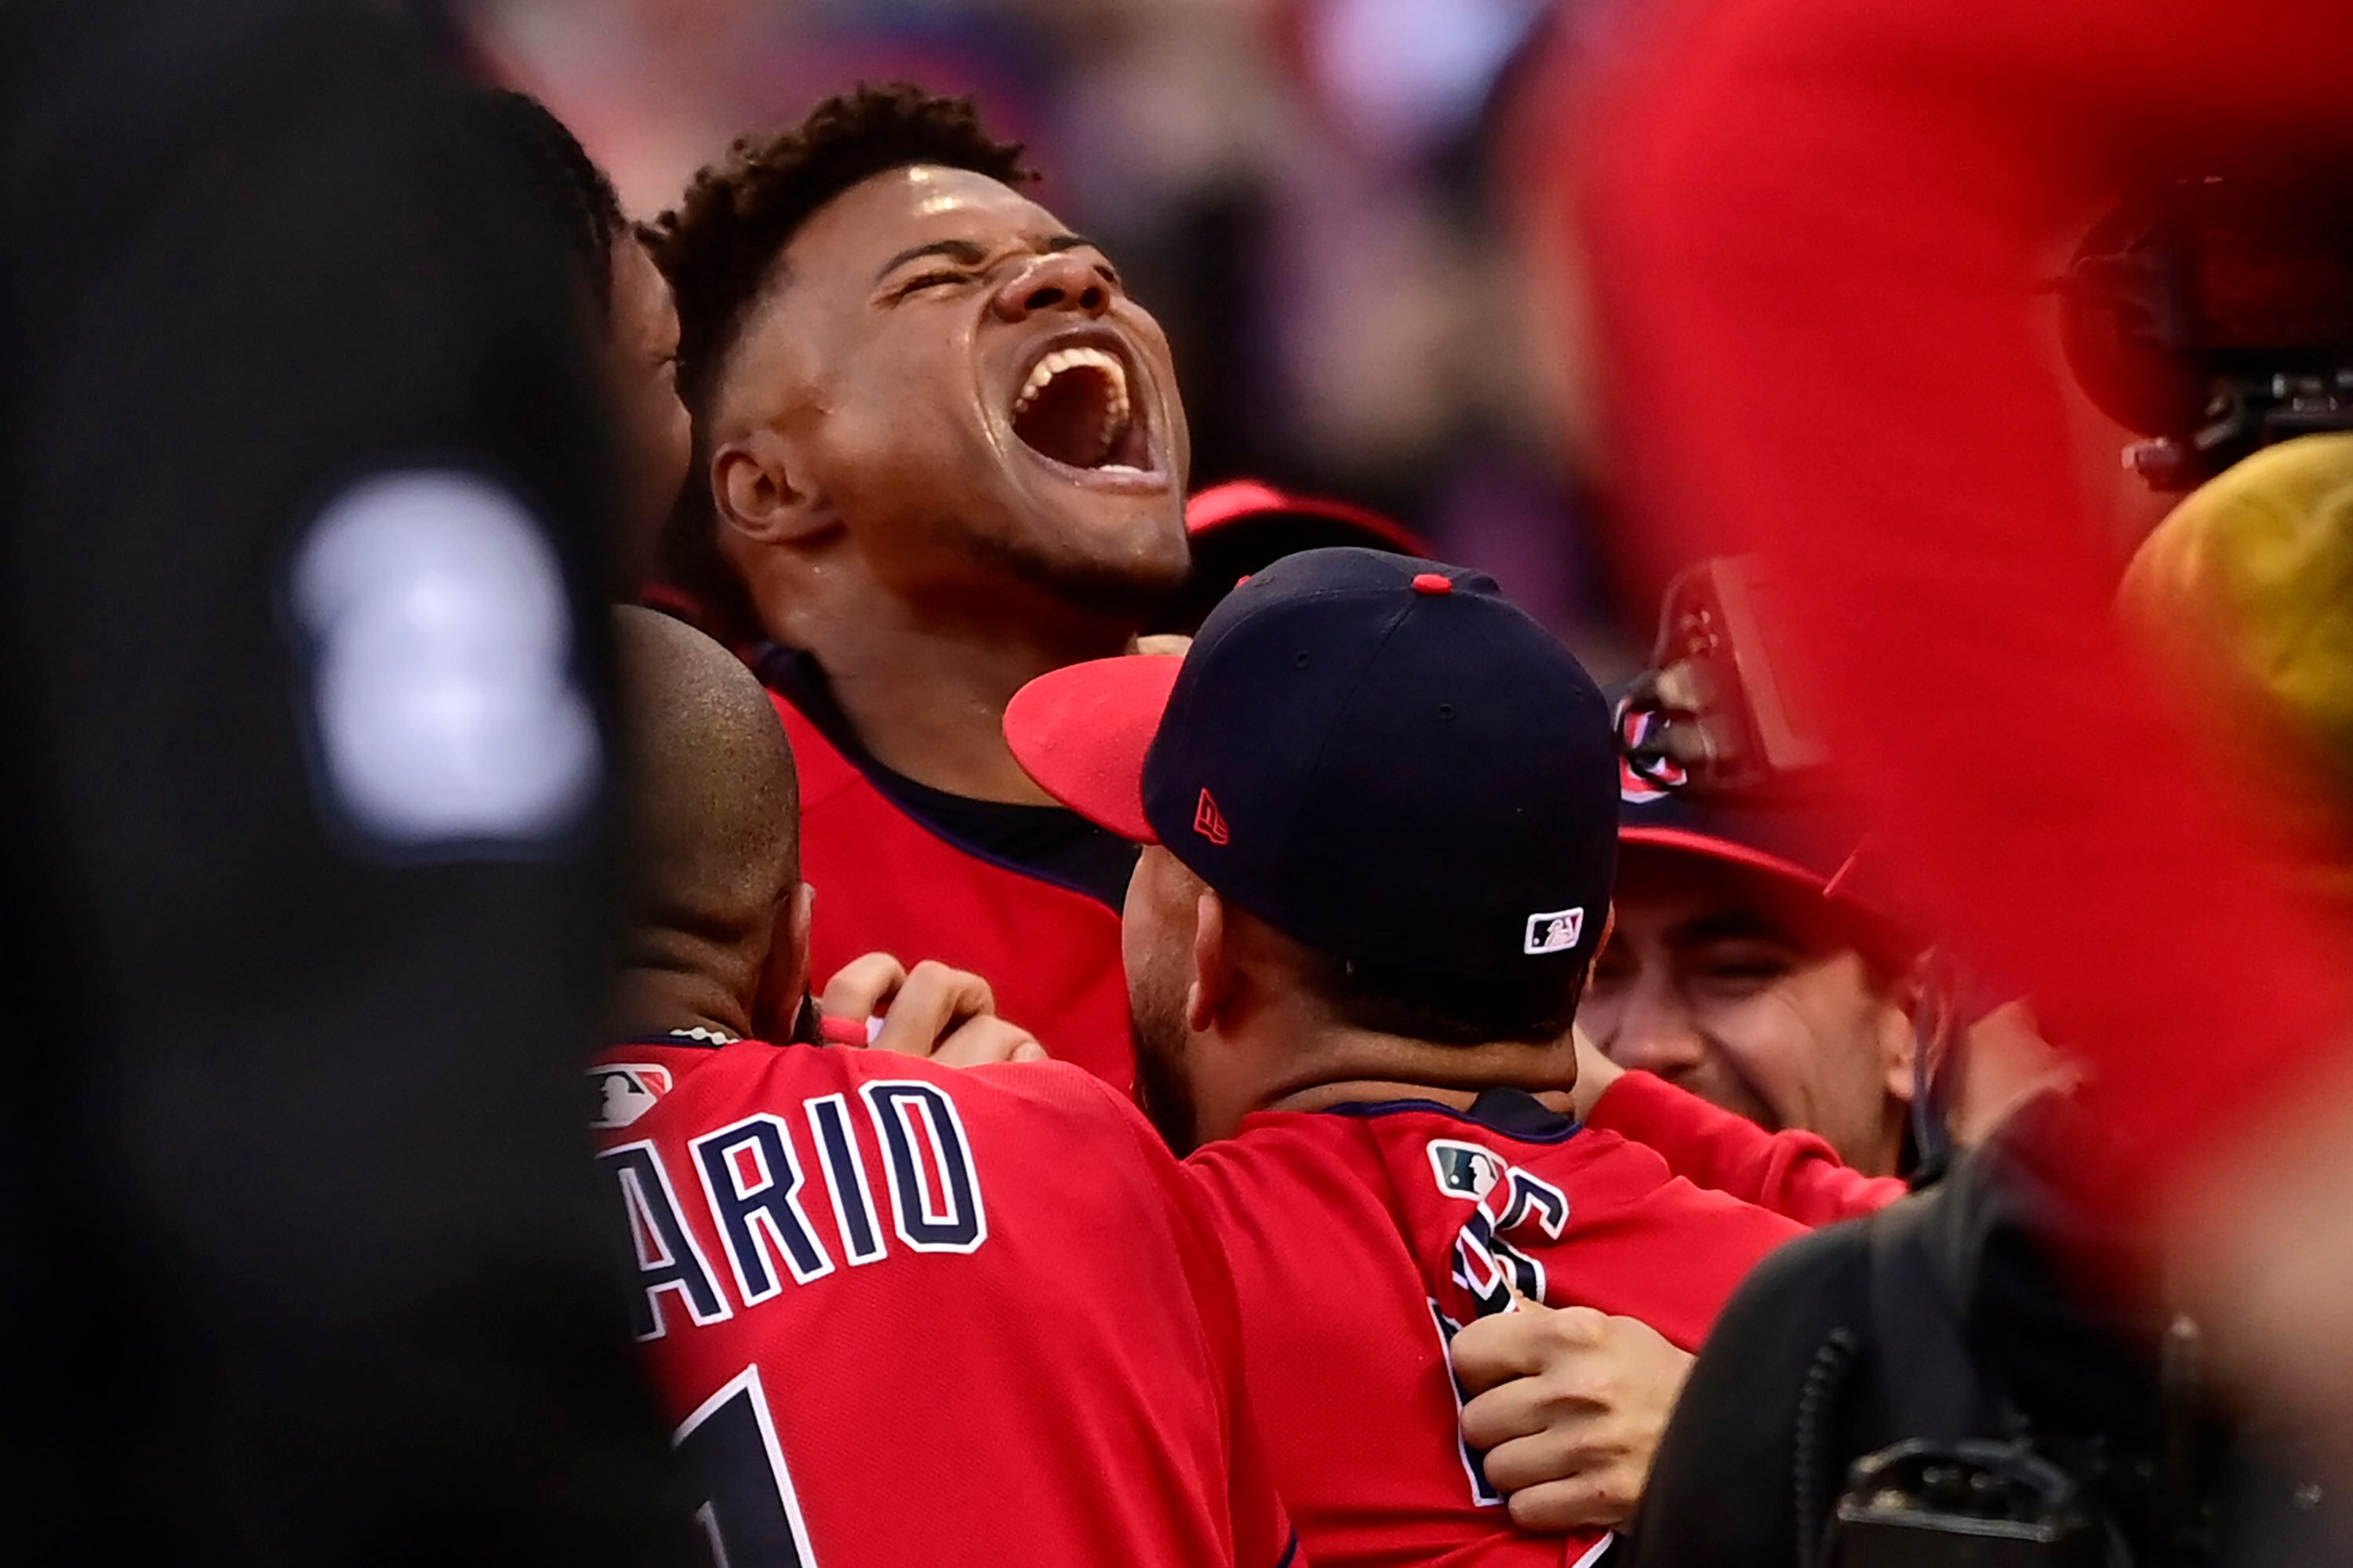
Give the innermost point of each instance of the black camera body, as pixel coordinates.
(1713, 713)
(1966, 1504)
(2215, 316)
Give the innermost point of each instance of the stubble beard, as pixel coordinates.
(1133, 590)
(1161, 1085)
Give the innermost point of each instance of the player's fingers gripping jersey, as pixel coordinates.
(901, 1314)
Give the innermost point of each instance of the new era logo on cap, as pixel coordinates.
(1556, 932)
(1209, 822)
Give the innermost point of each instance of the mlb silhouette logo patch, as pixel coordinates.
(1464, 1170)
(1554, 932)
(626, 1091)
(1209, 822)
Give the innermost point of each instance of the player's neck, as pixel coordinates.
(1378, 1091)
(927, 693)
(647, 1002)
(1353, 1066)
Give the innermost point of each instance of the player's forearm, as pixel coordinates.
(1793, 1173)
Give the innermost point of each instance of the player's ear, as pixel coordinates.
(762, 494)
(1899, 1044)
(1899, 1031)
(792, 932)
(785, 977)
(1213, 971)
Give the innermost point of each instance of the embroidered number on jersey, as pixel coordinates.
(749, 1511)
(1507, 1202)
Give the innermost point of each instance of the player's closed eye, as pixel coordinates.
(930, 281)
(1740, 968)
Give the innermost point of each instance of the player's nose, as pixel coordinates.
(1065, 281)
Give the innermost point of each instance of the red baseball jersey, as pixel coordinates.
(1363, 1236)
(890, 883)
(905, 1315)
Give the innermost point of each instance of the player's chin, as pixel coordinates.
(1128, 569)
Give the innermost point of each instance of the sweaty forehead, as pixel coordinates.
(851, 237)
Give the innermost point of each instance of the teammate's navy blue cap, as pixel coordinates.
(1377, 756)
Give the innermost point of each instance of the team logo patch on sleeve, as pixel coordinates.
(1554, 931)
(626, 1091)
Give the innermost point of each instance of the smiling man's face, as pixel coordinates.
(968, 388)
(1750, 995)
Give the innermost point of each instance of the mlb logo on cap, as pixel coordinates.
(1556, 932)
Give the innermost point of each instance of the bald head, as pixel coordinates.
(715, 805)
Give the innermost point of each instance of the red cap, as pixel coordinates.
(1082, 731)
(1237, 502)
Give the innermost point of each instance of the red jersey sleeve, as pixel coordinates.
(1262, 1531)
(1793, 1173)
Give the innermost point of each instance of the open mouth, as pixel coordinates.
(1075, 410)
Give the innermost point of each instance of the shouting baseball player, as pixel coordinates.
(940, 452)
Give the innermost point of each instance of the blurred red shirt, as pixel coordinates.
(1814, 230)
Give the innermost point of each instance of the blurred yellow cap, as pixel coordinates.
(2260, 556)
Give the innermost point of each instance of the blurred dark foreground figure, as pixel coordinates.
(1924, 1388)
(302, 484)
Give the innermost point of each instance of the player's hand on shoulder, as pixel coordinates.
(942, 1014)
(1570, 1404)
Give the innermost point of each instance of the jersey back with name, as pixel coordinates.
(1361, 1239)
(902, 1314)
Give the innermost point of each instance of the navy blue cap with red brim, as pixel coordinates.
(1378, 755)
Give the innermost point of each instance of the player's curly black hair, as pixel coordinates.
(719, 246)
(570, 189)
